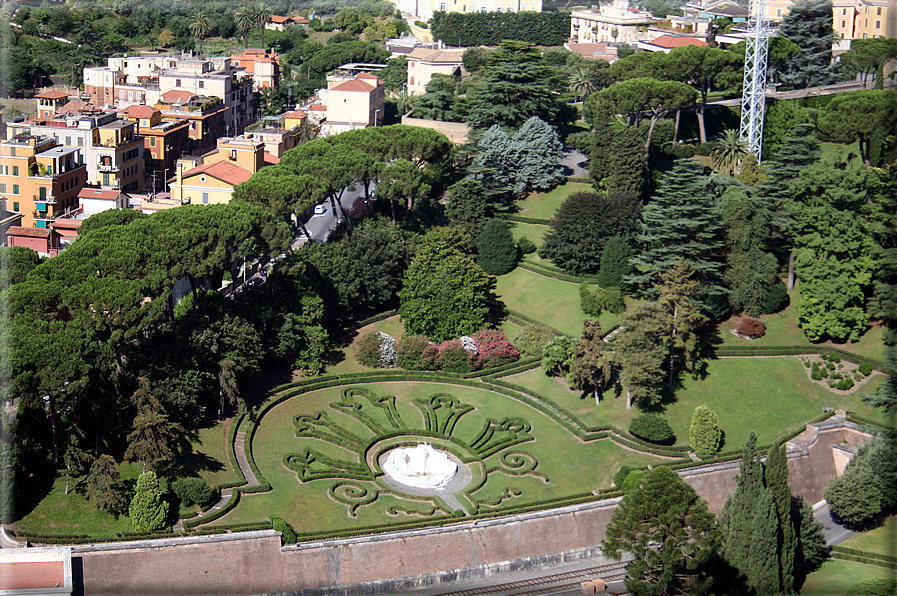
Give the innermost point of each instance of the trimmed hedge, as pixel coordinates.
(558, 275)
(374, 319)
(529, 220)
(857, 419)
(863, 553)
(797, 351)
(522, 319)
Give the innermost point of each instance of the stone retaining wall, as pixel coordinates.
(254, 563)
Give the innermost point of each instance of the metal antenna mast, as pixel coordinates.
(753, 98)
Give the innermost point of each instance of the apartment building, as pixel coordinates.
(163, 142)
(865, 19)
(110, 148)
(211, 179)
(205, 117)
(128, 81)
(354, 102)
(422, 10)
(262, 65)
(39, 178)
(617, 22)
(423, 63)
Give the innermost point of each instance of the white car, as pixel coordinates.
(320, 209)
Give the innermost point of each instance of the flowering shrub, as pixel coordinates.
(367, 349)
(376, 350)
(387, 351)
(532, 340)
(417, 353)
(494, 349)
(454, 358)
(470, 346)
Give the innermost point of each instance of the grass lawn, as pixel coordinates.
(881, 540)
(550, 301)
(534, 232)
(60, 513)
(542, 205)
(783, 329)
(746, 394)
(342, 359)
(834, 578)
(209, 456)
(307, 506)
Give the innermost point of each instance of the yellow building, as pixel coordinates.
(423, 63)
(422, 10)
(615, 22)
(212, 181)
(357, 102)
(40, 179)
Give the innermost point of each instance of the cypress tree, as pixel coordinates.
(776, 475)
(742, 506)
(626, 163)
(147, 509)
(496, 252)
(763, 564)
(682, 222)
(615, 263)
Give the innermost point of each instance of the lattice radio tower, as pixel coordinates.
(753, 98)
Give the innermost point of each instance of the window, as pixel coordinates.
(15, 170)
(202, 84)
(879, 11)
(152, 141)
(865, 35)
(843, 11)
(412, 80)
(878, 24)
(15, 189)
(177, 82)
(205, 198)
(778, 12)
(42, 192)
(15, 206)
(843, 24)
(80, 142)
(12, 151)
(68, 140)
(2, 188)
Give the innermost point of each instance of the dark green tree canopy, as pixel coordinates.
(809, 26)
(496, 251)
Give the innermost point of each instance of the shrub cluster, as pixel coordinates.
(751, 328)
(819, 372)
(526, 246)
(415, 352)
(376, 350)
(594, 303)
(866, 369)
(454, 358)
(288, 536)
(193, 491)
(653, 429)
(494, 349)
(704, 434)
(532, 339)
(777, 298)
(488, 348)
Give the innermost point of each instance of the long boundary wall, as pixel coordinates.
(254, 562)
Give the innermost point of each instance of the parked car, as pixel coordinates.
(320, 209)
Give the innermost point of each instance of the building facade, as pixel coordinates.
(423, 63)
(355, 102)
(617, 22)
(422, 10)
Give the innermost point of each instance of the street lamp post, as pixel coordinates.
(377, 111)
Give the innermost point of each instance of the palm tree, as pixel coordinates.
(581, 83)
(262, 15)
(200, 28)
(729, 151)
(244, 20)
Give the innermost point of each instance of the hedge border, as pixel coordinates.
(856, 419)
(525, 320)
(862, 553)
(529, 220)
(558, 275)
(747, 351)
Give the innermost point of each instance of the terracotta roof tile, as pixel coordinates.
(140, 111)
(175, 96)
(28, 232)
(222, 170)
(52, 95)
(668, 41)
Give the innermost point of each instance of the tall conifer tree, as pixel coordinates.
(741, 507)
(682, 223)
(776, 475)
(763, 572)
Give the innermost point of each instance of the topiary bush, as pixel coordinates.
(415, 352)
(494, 349)
(287, 535)
(526, 246)
(654, 429)
(632, 481)
(777, 298)
(621, 475)
(866, 369)
(532, 339)
(845, 384)
(454, 358)
(751, 328)
(496, 252)
(704, 434)
(367, 349)
(819, 372)
(192, 491)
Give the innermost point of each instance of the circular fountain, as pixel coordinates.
(420, 466)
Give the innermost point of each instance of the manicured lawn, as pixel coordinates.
(571, 466)
(882, 540)
(834, 578)
(534, 232)
(209, 455)
(542, 205)
(548, 300)
(767, 395)
(60, 513)
(783, 329)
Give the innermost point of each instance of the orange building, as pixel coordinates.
(262, 66)
(205, 117)
(163, 142)
(40, 179)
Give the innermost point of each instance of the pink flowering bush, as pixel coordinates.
(454, 358)
(417, 353)
(494, 349)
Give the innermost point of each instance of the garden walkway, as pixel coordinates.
(227, 493)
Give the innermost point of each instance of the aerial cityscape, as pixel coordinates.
(517, 297)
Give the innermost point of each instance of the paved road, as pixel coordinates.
(575, 164)
(834, 532)
(320, 226)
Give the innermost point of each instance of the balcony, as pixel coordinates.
(108, 167)
(47, 199)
